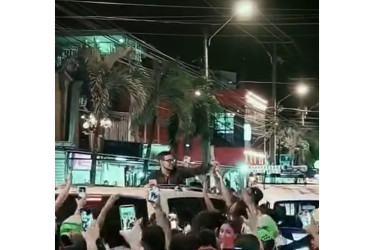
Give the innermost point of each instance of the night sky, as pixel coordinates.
(292, 21)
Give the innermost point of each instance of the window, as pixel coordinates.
(224, 123)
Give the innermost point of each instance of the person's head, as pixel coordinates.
(106, 182)
(207, 238)
(248, 242)
(70, 230)
(207, 220)
(257, 195)
(166, 160)
(184, 242)
(154, 237)
(230, 229)
(269, 244)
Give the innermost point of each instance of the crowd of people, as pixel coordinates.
(243, 226)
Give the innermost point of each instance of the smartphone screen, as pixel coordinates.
(87, 218)
(127, 216)
(306, 218)
(154, 194)
(82, 192)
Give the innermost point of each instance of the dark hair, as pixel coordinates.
(207, 220)
(247, 242)
(269, 244)
(257, 195)
(161, 155)
(207, 238)
(239, 209)
(184, 242)
(154, 237)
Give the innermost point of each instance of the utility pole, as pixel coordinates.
(206, 66)
(273, 143)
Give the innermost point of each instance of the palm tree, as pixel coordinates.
(289, 138)
(300, 144)
(201, 112)
(109, 75)
(171, 89)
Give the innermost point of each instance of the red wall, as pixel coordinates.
(224, 155)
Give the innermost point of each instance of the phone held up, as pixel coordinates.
(127, 215)
(86, 217)
(82, 192)
(154, 191)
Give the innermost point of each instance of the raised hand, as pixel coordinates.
(252, 220)
(133, 237)
(217, 172)
(80, 204)
(63, 193)
(92, 233)
(109, 204)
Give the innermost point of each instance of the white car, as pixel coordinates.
(186, 203)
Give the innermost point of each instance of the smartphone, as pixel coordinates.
(82, 192)
(87, 218)
(127, 216)
(186, 160)
(173, 219)
(154, 194)
(306, 218)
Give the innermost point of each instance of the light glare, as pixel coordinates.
(244, 8)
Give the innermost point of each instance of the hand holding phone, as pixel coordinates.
(154, 194)
(306, 218)
(82, 192)
(86, 218)
(127, 216)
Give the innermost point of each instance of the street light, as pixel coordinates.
(242, 8)
(301, 90)
(197, 93)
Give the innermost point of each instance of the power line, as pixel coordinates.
(105, 18)
(172, 6)
(212, 18)
(195, 35)
(151, 48)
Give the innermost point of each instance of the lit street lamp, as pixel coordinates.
(301, 90)
(242, 8)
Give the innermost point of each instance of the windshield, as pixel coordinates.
(286, 212)
(187, 208)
